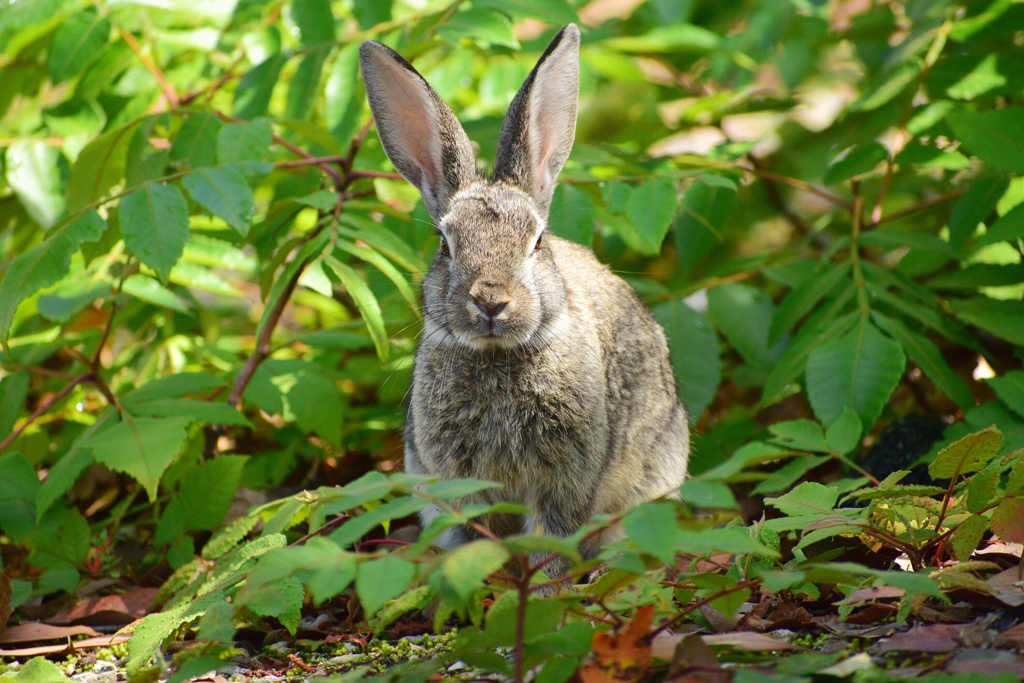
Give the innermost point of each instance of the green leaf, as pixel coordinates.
(196, 140)
(549, 11)
(377, 260)
(44, 265)
(225, 193)
(79, 42)
(281, 599)
(650, 209)
(694, 353)
(1004, 319)
(209, 412)
(378, 581)
(1009, 388)
(855, 161)
(203, 498)
(654, 528)
(1008, 520)
(1008, 228)
(710, 495)
(13, 391)
(141, 448)
(485, 25)
(467, 566)
(974, 206)
(702, 215)
(858, 371)
(969, 454)
(967, 536)
(315, 21)
(414, 600)
(342, 105)
(305, 83)
(983, 488)
(459, 488)
(678, 38)
(927, 357)
(240, 142)
(843, 435)
(33, 172)
(744, 315)
(100, 167)
(995, 136)
(572, 215)
(145, 288)
(62, 477)
(804, 297)
(809, 498)
(154, 222)
(366, 302)
(252, 96)
(888, 85)
(36, 670)
(803, 435)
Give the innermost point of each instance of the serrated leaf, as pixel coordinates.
(244, 142)
(36, 670)
(196, 140)
(1015, 479)
(650, 210)
(252, 96)
(13, 391)
(855, 161)
(967, 536)
(305, 83)
(79, 42)
(712, 495)
(1003, 318)
(974, 206)
(996, 136)
(804, 297)
(315, 21)
(44, 265)
(983, 487)
(858, 371)
(701, 218)
(744, 315)
(281, 599)
(1008, 520)
(100, 166)
(228, 537)
(571, 215)
(342, 106)
(927, 357)
(843, 435)
(366, 302)
(467, 566)
(803, 435)
(142, 448)
(153, 630)
(1009, 388)
(154, 223)
(969, 454)
(223, 192)
(416, 599)
(203, 498)
(654, 529)
(809, 498)
(694, 352)
(378, 581)
(481, 24)
(209, 412)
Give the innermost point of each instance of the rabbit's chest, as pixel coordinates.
(500, 423)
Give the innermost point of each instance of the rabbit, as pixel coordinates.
(538, 368)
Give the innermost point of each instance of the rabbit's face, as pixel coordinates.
(493, 282)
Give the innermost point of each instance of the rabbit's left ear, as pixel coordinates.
(538, 131)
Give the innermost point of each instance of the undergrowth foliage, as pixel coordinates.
(209, 289)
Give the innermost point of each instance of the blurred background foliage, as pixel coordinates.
(204, 251)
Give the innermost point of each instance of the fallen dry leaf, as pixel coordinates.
(1007, 588)
(110, 610)
(692, 653)
(1011, 638)
(664, 645)
(930, 638)
(68, 645)
(622, 657)
(35, 632)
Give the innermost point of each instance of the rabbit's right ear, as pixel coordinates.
(419, 132)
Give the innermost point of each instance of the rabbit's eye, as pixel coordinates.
(444, 247)
(540, 239)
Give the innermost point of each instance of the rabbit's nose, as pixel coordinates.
(490, 310)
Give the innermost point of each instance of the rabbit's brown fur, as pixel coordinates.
(538, 368)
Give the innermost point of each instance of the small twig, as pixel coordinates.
(798, 184)
(328, 526)
(311, 161)
(151, 67)
(742, 585)
(920, 206)
(45, 406)
(523, 587)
